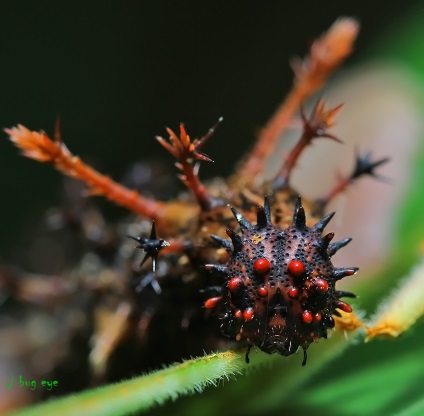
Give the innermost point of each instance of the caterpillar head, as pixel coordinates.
(279, 292)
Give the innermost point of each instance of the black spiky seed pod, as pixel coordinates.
(279, 292)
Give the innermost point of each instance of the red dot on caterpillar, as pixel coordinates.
(235, 284)
(293, 292)
(212, 302)
(296, 268)
(307, 317)
(261, 266)
(343, 306)
(321, 285)
(248, 314)
(263, 292)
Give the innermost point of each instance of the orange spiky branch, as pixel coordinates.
(326, 54)
(186, 153)
(314, 127)
(40, 147)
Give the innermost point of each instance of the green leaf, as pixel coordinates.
(193, 376)
(145, 391)
(375, 389)
(415, 409)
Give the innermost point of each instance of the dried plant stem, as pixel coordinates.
(364, 165)
(191, 179)
(40, 147)
(316, 126)
(111, 326)
(186, 152)
(326, 54)
(341, 185)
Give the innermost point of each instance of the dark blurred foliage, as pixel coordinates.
(117, 73)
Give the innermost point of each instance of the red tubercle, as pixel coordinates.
(321, 285)
(248, 314)
(293, 292)
(307, 317)
(212, 302)
(261, 266)
(296, 268)
(238, 314)
(345, 307)
(235, 284)
(263, 292)
(317, 317)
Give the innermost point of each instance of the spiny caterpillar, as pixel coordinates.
(279, 291)
(272, 283)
